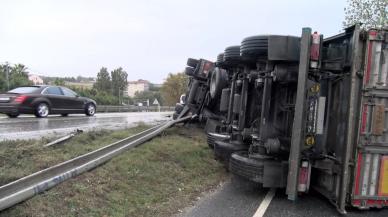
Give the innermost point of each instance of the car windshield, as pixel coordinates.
(24, 90)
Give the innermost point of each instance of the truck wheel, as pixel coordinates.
(223, 151)
(192, 62)
(193, 92)
(255, 46)
(218, 81)
(220, 59)
(240, 164)
(178, 108)
(232, 54)
(42, 110)
(189, 71)
(210, 141)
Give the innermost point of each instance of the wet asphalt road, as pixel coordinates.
(29, 127)
(239, 198)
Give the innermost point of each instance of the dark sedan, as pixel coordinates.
(44, 100)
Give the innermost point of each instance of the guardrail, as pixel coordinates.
(132, 108)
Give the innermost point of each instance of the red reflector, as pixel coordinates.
(20, 99)
(304, 176)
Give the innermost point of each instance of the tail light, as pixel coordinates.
(314, 51)
(304, 177)
(20, 99)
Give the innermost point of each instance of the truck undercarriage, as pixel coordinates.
(300, 113)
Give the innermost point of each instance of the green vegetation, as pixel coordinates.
(151, 95)
(174, 86)
(78, 79)
(22, 157)
(155, 179)
(13, 76)
(370, 13)
(108, 89)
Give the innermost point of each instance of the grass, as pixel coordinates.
(156, 179)
(23, 157)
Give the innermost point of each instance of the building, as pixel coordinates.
(137, 86)
(36, 80)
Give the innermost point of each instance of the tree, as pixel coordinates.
(173, 87)
(150, 95)
(59, 82)
(103, 82)
(13, 76)
(371, 13)
(119, 81)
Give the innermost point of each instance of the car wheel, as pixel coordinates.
(90, 109)
(42, 110)
(64, 115)
(13, 115)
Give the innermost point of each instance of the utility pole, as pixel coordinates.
(7, 75)
(119, 96)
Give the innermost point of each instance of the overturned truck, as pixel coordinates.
(300, 113)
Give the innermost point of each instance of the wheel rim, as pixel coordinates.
(43, 110)
(91, 109)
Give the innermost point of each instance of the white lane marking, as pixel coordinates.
(265, 203)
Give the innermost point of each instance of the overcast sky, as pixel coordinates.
(148, 38)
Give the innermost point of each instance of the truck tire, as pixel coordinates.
(232, 54)
(189, 71)
(192, 62)
(193, 92)
(240, 164)
(218, 81)
(220, 59)
(255, 46)
(178, 108)
(210, 141)
(223, 151)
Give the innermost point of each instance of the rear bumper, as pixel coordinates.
(15, 109)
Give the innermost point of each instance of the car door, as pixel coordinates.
(55, 96)
(72, 102)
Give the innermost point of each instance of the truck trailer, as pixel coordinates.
(300, 113)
